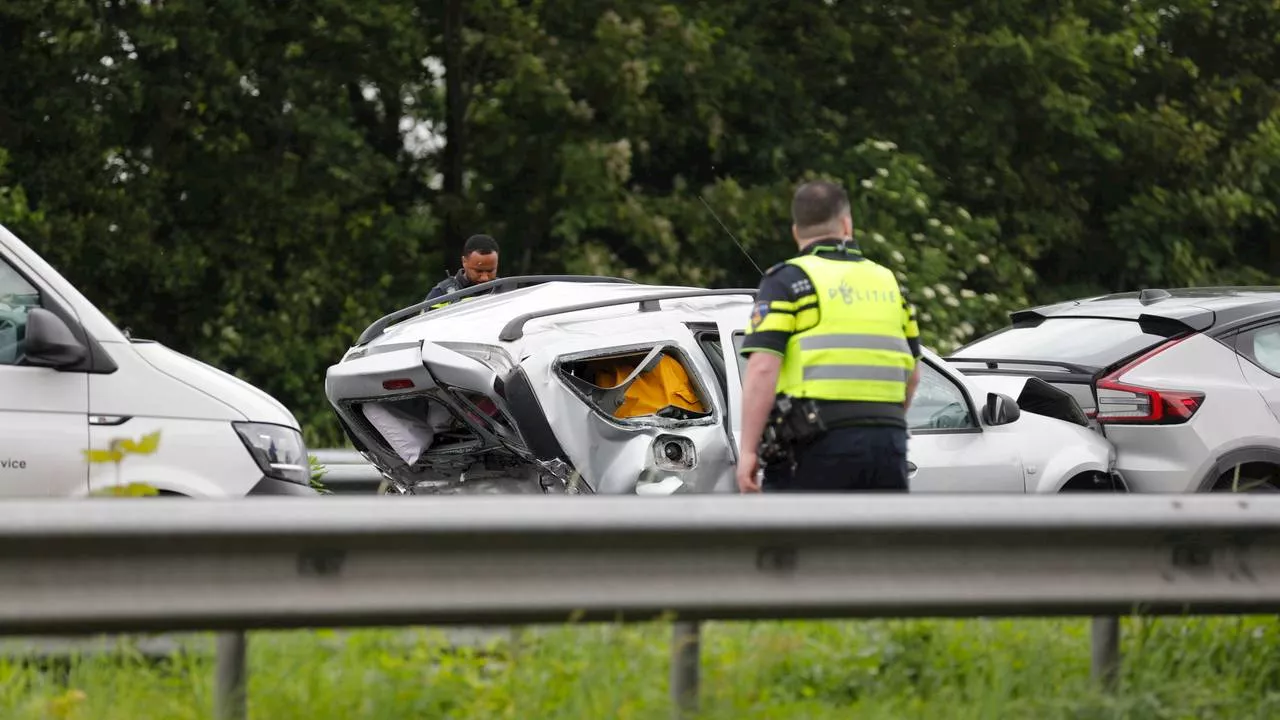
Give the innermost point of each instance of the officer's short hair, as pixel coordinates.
(817, 203)
(482, 244)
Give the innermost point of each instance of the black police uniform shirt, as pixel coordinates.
(455, 282)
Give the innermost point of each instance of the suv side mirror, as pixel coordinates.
(1001, 409)
(50, 343)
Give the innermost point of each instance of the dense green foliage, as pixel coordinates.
(253, 183)
(899, 670)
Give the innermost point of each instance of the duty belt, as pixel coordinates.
(795, 422)
(847, 414)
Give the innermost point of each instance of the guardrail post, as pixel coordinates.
(1106, 651)
(686, 651)
(230, 701)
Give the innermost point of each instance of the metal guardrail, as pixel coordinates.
(159, 564)
(347, 472)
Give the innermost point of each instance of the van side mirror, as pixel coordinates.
(1001, 409)
(50, 343)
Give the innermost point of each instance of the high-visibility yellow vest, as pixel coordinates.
(857, 351)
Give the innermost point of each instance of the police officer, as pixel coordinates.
(479, 265)
(832, 351)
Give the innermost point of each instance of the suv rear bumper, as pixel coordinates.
(1160, 458)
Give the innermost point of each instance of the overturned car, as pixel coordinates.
(574, 384)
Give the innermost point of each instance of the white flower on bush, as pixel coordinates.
(983, 259)
(917, 236)
(1026, 271)
(967, 294)
(898, 257)
(934, 222)
(990, 297)
(920, 167)
(884, 145)
(926, 317)
(942, 289)
(882, 172)
(877, 237)
(868, 184)
(928, 293)
(966, 329)
(965, 214)
(946, 230)
(920, 203)
(952, 301)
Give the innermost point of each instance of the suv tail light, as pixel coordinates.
(1122, 403)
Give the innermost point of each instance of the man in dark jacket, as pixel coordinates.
(479, 265)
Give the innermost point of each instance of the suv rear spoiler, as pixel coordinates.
(1170, 321)
(1176, 323)
(497, 286)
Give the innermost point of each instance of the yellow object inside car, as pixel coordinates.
(667, 384)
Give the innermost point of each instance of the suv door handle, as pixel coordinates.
(911, 468)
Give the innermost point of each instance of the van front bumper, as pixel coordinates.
(272, 486)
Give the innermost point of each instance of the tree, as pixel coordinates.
(254, 184)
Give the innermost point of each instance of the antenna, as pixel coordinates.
(731, 237)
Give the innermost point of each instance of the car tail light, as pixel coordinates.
(1122, 403)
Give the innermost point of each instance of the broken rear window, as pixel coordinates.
(415, 426)
(641, 384)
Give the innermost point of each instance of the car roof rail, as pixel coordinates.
(514, 330)
(499, 285)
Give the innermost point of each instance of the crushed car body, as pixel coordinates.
(572, 384)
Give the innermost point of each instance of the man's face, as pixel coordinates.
(479, 267)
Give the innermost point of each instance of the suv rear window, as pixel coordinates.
(1093, 342)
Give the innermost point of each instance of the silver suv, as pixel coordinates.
(1184, 382)
(596, 385)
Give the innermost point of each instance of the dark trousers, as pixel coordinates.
(849, 459)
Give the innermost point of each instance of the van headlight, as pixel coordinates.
(278, 450)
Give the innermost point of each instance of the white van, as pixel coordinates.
(74, 387)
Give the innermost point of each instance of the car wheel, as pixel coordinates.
(1249, 478)
(1091, 482)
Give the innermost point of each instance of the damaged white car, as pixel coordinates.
(571, 384)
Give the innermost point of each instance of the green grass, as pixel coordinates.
(1173, 669)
